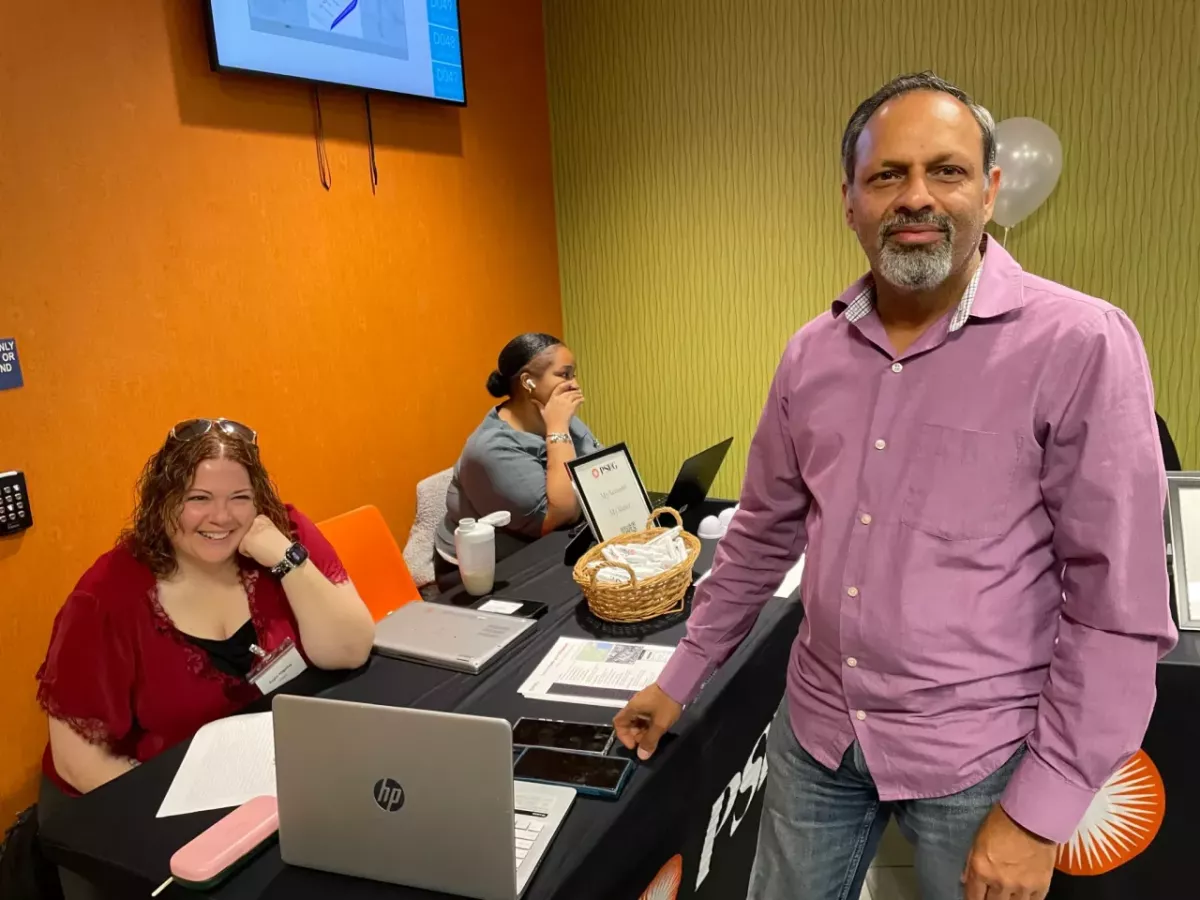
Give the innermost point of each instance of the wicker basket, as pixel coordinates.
(637, 601)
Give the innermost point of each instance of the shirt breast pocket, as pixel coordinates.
(962, 483)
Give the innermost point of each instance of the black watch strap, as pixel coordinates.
(293, 558)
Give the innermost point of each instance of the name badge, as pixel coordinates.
(275, 669)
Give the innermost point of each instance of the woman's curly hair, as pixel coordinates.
(165, 481)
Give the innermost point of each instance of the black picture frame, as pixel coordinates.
(586, 462)
(1184, 571)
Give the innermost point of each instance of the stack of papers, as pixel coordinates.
(595, 673)
(229, 762)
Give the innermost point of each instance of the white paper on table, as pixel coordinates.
(504, 607)
(595, 673)
(791, 580)
(229, 762)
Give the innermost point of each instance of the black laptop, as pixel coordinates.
(695, 479)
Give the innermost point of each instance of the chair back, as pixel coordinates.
(372, 559)
(431, 510)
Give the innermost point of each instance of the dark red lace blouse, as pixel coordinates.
(122, 676)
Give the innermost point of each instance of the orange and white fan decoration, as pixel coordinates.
(1120, 823)
(666, 883)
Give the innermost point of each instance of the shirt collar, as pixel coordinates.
(995, 289)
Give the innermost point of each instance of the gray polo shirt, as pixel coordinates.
(504, 469)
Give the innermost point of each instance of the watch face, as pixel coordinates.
(296, 554)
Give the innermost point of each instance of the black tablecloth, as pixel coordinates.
(698, 799)
(694, 808)
(1165, 869)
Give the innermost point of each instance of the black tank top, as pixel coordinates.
(231, 655)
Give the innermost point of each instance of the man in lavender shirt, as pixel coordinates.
(967, 453)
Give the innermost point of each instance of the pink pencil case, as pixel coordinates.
(215, 854)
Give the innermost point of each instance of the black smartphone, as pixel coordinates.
(596, 776)
(582, 737)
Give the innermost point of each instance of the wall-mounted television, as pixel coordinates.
(398, 46)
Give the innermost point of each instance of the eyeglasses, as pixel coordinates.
(192, 429)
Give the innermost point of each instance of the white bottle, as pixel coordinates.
(475, 546)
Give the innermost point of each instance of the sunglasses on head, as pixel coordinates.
(192, 429)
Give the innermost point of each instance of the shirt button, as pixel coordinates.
(897, 368)
(860, 715)
(865, 518)
(880, 444)
(852, 591)
(852, 662)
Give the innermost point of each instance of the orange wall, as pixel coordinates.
(166, 250)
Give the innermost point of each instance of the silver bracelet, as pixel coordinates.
(558, 437)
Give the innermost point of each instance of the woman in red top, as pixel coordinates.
(156, 639)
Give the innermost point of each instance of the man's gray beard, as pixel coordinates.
(916, 268)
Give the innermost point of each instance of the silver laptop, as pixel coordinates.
(423, 799)
(451, 637)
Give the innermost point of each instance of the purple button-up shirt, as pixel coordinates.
(983, 522)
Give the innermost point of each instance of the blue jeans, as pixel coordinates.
(820, 829)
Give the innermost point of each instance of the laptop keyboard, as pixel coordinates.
(527, 830)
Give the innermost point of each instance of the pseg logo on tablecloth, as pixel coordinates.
(1121, 821)
(739, 792)
(667, 882)
(744, 784)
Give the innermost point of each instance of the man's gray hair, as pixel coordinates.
(906, 84)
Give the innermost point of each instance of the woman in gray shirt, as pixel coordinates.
(516, 459)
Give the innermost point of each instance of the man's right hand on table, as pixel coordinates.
(645, 719)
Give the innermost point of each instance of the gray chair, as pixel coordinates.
(431, 510)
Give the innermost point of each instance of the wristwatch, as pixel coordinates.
(558, 437)
(293, 558)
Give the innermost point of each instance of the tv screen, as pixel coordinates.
(399, 46)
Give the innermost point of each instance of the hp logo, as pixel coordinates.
(389, 796)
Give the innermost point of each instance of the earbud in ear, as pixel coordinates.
(529, 384)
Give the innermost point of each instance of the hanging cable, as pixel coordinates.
(319, 128)
(371, 145)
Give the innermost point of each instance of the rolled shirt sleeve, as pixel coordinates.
(1104, 488)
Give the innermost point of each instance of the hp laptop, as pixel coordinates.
(695, 479)
(422, 799)
(450, 637)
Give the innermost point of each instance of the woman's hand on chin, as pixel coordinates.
(264, 543)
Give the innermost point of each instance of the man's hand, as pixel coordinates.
(1007, 862)
(645, 719)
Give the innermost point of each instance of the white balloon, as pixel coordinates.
(1029, 155)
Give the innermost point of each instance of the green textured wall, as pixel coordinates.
(697, 183)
